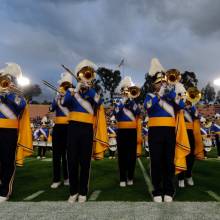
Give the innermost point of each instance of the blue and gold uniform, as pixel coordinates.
(216, 131)
(59, 141)
(126, 115)
(82, 103)
(162, 139)
(190, 115)
(11, 109)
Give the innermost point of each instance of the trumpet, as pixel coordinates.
(173, 76)
(193, 95)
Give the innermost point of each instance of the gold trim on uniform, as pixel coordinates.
(61, 120)
(81, 117)
(8, 123)
(189, 125)
(127, 124)
(162, 121)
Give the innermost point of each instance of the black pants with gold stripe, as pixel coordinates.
(162, 142)
(190, 158)
(79, 152)
(127, 153)
(59, 143)
(8, 144)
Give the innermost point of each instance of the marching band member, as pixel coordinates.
(206, 136)
(216, 130)
(145, 136)
(82, 103)
(59, 134)
(190, 115)
(162, 137)
(41, 135)
(12, 106)
(127, 112)
(112, 134)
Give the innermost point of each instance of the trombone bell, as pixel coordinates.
(193, 95)
(134, 91)
(173, 76)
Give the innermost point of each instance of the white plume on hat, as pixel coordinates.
(202, 119)
(12, 69)
(155, 67)
(180, 89)
(65, 77)
(125, 82)
(113, 118)
(217, 115)
(44, 120)
(83, 64)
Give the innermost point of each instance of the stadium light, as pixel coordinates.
(23, 81)
(216, 82)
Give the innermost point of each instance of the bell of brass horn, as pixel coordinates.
(193, 95)
(134, 91)
(173, 76)
(5, 82)
(86, 74)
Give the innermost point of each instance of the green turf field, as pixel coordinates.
(36, 176)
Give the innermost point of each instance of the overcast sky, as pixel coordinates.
(41, 34)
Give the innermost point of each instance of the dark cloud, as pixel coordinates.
(40, 35)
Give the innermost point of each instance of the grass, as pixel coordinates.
(36, 175)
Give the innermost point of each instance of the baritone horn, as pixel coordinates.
(193, 95)
(173, 76)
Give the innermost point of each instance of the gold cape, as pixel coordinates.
(139, 137)
(24, 144)
(100, 141)
(199, 147)
(182, 144)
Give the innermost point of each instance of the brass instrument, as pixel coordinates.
(131, 92)
(134, 91)
(193, 95)
(173, 76)
(86, 74)
(6, 85)
(5, 82)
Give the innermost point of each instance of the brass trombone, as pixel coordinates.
(193, 95)
(173, 76)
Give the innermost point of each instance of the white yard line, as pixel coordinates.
(34, 195)
(146, 176)
(214, 195)
(94, 195)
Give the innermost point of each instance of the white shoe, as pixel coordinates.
(130, 183)
(122, 184)
(168, 198)
(43, 157)
(72, 199)
(157, 199)
(66, 182)
(3, 199)
(110, 158)
(38, 157)
(218, 157)
(181, 183)
(190, 181)
(81, 199)
(55, 185)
